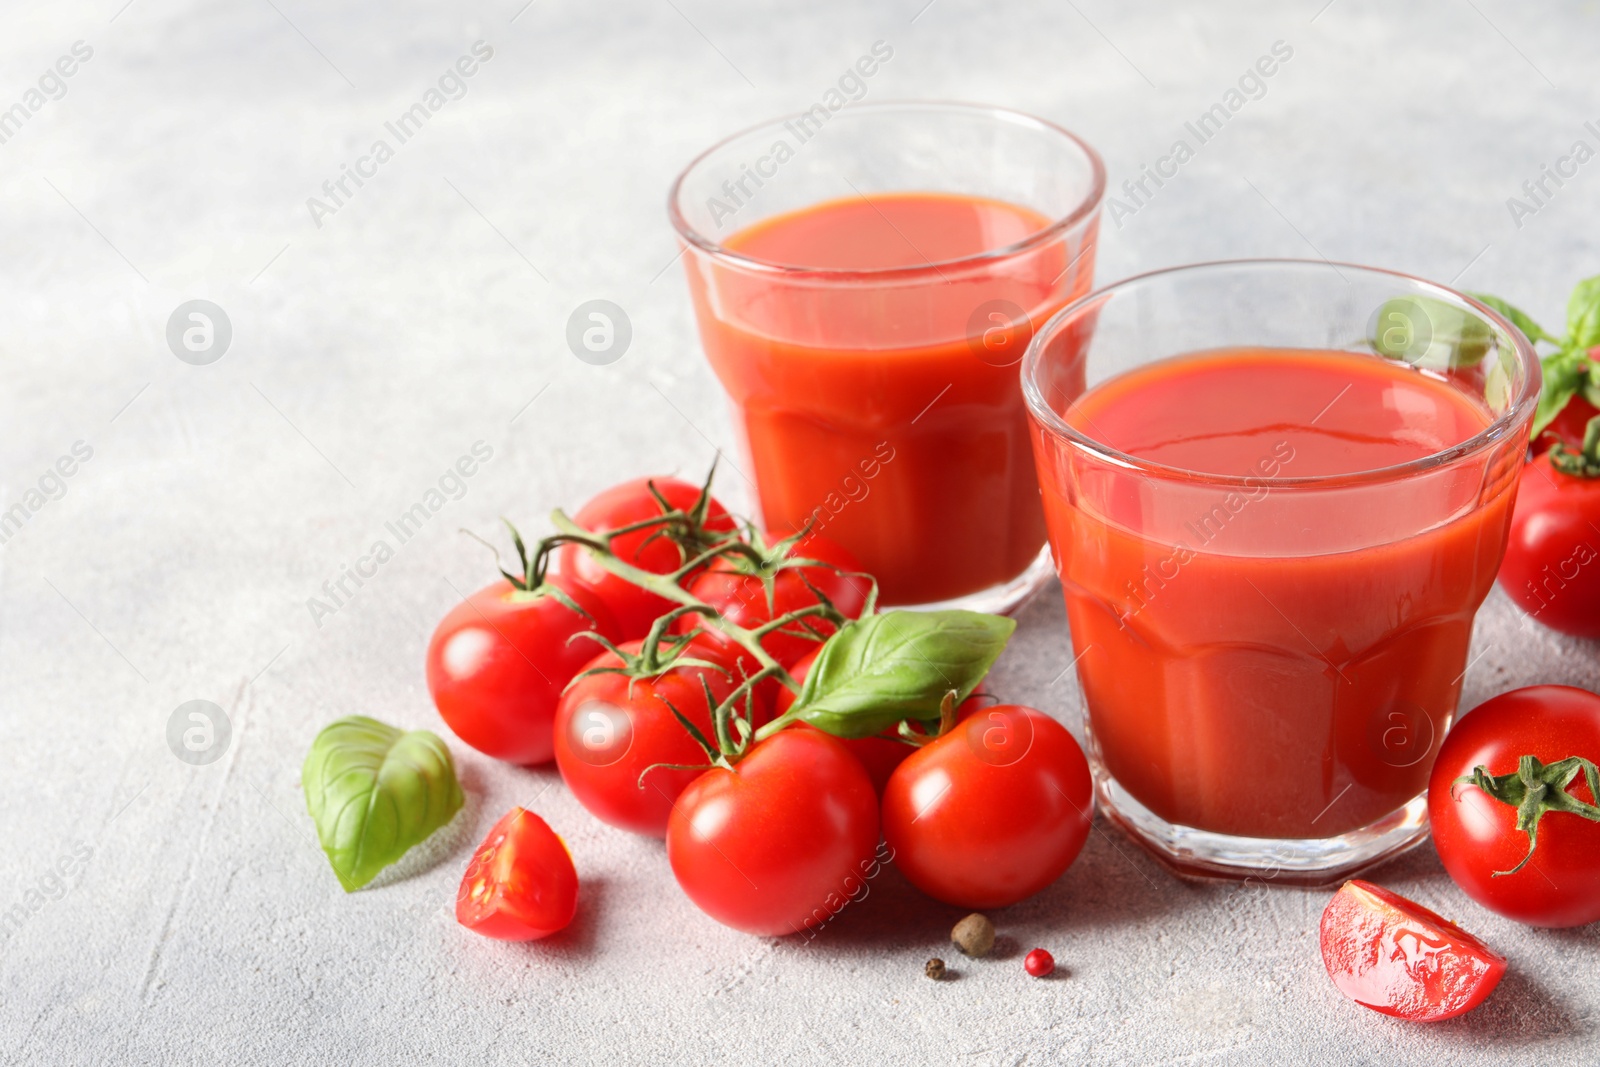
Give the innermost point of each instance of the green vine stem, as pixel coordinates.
(1583, 462)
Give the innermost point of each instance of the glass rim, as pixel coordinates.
(1084, 210)
(1519, 410)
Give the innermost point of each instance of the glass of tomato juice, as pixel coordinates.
(866, 281)
(1277, 492)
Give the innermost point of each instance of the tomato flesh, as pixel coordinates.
(1476, 835)
(521, 884)
(633, 608)
(498, 661)
(993, 811)
(782, 841)
(1396, 957)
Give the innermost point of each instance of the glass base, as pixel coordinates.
(1312, 862)
(1002, 599)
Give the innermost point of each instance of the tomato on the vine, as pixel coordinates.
(647, 548)
(881, 754)
(741, 597)
(498, 661)
(1552, 561)
(780, 842)
(1396, 957)
(611, 730)
(521, 884)
(1570, 422)
(993, 811)
(1476, 833)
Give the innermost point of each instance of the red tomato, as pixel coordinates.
(622, 505)
(498, 661)
(1391, 955)
(1552, 563)
(742, 598)
(780, 842)
(879, 755)
(1569, 424)
(1476, 835)
(521, 884)
(610, 728)
(993, 811)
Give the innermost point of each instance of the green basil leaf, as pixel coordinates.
(1583, 314)
(882, 669)
(1564, 373)
(1427, 332)
(374, 792)
(1517, 317)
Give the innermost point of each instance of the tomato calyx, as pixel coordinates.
(1583, 462)
(918, 736)
(1537, 789)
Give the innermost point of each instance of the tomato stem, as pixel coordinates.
(1584, 462)
(1537, 789)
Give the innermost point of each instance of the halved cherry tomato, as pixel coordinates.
(780, 842)
(1477, 835)
(1394, 956)
(611, 729)
(742, 598)
(520, 885)
(622, 505)
(993, 811)
(879, 755)
(498, 661)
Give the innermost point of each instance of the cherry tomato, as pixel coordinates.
(1569, 424)
(880, 755)
(993, 811)
(780, 842)
(521, 884)
(610, 729)
(498, 661)
(1397, 957)
(622, 505)
(1552, 562)
(742, 598)
(1476, 835)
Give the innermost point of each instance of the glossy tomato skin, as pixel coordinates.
(992, 812)
(520, 885)
(1552, 561)
(498, 661)
(742, 599)
(1476, 835)
(1570, 423)
(633, 608)
(1396, 957)
(879, 755)
(609, 729)
(781, 842)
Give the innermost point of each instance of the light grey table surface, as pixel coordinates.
(428, 312)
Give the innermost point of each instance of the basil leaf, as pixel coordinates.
(1583, 314)
(374, 792)
(1517, 317)
(882, 669)
(1426, 332)
(1564, 373)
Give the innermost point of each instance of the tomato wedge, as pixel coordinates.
(520, 885)
(1394, 956)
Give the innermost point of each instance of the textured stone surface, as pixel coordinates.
(428, 313)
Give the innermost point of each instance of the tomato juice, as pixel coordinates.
(872, 366)
(1260, 656)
